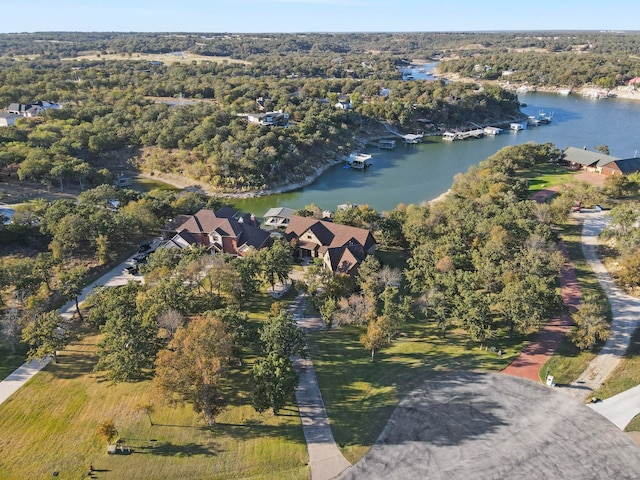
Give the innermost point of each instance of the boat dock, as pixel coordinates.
(452, 136)
(359, 161)
(386, 144)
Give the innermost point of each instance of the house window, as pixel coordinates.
(308, 236)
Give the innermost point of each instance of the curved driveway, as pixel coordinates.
(625, 311)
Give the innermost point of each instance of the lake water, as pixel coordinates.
(415, 173)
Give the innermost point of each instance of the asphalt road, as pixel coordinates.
(471, 425)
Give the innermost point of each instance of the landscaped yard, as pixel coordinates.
(50, 425)
(542, 177)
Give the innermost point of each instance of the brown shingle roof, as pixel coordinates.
(205, 222)
(329, 233)
(345, 259)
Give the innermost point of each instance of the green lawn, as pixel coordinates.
(10, 361)
(568, 362)
(542, 177)
(49, 425)
(360, 395)
(627, 373)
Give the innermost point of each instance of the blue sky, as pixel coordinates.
(317, 15)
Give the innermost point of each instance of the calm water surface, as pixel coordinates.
(414, 173)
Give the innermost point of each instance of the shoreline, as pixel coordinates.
(186, 183)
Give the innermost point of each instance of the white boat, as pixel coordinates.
(544, 118)
(565, 91)
(517, 127)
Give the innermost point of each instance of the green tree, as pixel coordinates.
(274, 380)
(435, 303)
(193, 365)
(396, 310)
(327, 311)
(71, 284)
(46, 334)
(281, 336)
(368, 279)
(128, 348)
(591, 325)
(276, 262)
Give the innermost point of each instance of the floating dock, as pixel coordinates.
(452, 136)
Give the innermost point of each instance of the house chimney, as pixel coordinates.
(253, 219)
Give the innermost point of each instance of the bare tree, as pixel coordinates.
(357, 309)
(10, 328)
(389, 276)
(169, 322)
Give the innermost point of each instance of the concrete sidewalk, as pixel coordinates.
(620, 409)
(20, 376)
(325, 458)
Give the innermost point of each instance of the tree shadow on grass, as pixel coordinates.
(168, 449)
(252, 431)
(72, 366)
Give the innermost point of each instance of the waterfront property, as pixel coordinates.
(516, 127)
(599, 162)
(341, 247)
(278, 217)
(424, 171)
(222, 231)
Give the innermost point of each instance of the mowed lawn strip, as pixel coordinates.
(50, 425)
(626, 375)
(360, 395)
(568, 362)
(542, 177)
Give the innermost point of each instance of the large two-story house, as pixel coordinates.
(341, 247)
(222, 231)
